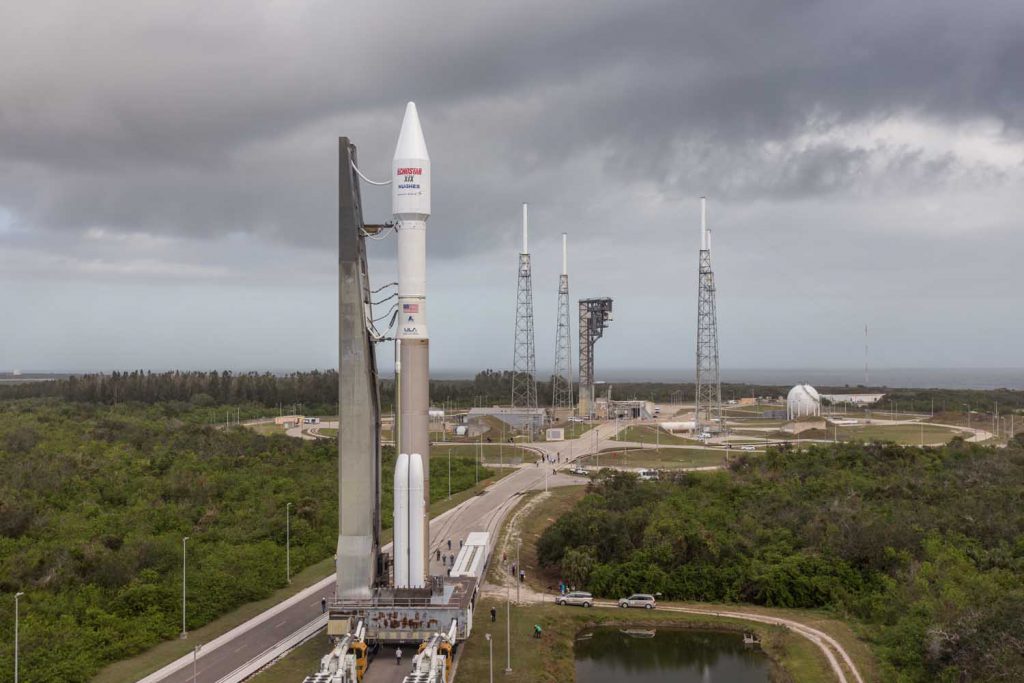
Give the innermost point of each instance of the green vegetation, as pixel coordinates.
(574, 430)
(299, 663)
(658, 458)
(492, 453)
(923, 547)
(95, 501)
(905, 434)
(650, 434)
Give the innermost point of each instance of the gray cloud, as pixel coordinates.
(183, 141)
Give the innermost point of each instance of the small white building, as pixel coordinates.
(803, 401)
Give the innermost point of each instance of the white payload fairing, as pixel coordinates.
(410, 202)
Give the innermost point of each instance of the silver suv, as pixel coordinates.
(639, 600)
(576, 598)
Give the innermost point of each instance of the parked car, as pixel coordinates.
(580, 471)
(649, 475)
(639, 600)
(579, 598)
(748, 447)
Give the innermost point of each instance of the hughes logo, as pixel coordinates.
(409, 171)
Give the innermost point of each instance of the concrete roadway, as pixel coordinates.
(484, 512)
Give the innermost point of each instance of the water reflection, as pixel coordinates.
(610, 655)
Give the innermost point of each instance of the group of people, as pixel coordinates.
(447, 560)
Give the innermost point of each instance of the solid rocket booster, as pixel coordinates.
(417, 510)
(410, 202)
(409, 541)
(401, 520)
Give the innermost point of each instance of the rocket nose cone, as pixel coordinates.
(411, 144)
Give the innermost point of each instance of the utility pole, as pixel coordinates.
(195, 658)
(184, 540)
(17, 617)
(449, 474)
(288, 541)
(508, 628)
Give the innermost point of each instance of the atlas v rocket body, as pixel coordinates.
(410, 201)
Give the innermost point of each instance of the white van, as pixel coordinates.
(649, 475)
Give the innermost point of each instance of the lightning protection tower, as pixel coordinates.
(708, 413)
(524, 360)
(561, 380)
(595, 314)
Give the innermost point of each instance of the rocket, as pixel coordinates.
(410, 204)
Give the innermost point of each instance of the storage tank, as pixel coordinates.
(803, 401)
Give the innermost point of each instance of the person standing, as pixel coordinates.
(398, 656)
(494, 614)
(323, 605)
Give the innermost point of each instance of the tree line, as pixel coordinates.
(923, 547)
(317, 391)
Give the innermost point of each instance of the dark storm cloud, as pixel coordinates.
(864, 162)
(187, 118)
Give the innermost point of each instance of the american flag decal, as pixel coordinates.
(410, 308)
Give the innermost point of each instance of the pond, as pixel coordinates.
(664, 655)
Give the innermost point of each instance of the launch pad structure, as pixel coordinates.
(708, 410)
(595, 314)
(380, 597)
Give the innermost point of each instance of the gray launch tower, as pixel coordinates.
(524, 359)
(561, 380)
(358, 561)
(708, 413)
(595, 314)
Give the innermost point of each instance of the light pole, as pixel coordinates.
(449, 474)
(16, 619)
(508, 628)
(195, 658)
(184, 632)
(490, 657)
(288, 541)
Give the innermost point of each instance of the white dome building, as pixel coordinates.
(803, 401)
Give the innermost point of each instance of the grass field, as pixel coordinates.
(749, 411)
(666, 458)
(575, 430)
(492, 453)
(650, 434)
(905, 434)
(300, 662)
(267, 428)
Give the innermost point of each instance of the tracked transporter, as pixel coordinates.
(384, 598)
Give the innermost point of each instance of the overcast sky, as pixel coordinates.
(168, 176)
